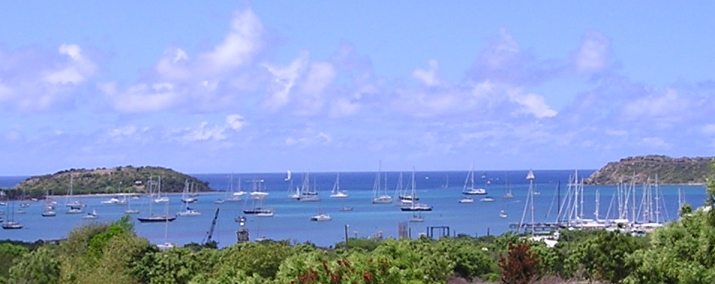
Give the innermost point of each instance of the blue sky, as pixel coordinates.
(268, 86)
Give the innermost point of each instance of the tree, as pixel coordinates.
(39, 266)
(519, 265)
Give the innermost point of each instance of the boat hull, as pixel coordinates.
(156, 219)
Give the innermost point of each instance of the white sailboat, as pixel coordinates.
(380, 195)
(236, 194)
(414, 205)
(307, 193)
(91, 215)
(73, 205)
(258, 191)
(470, 188)
(159, 198)
(336, 192)
(188, 195)
(166, 245)
(188, 211)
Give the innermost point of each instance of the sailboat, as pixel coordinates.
(11, 224)
(502, 214)
(404, 197)
(151, 218)
(258, 190)
(90, 215)
(159, 198)
(380, 195)
(129, 209)
(414, 206)
(417, 218)
(188, 211)
(257, 208)
(470, 187)
(306, 193)
(187, 196)
(73, 206)
(236, 195)
(336, 193)
(48, 210)
(166, 245)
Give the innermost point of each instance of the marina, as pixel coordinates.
(290, 219)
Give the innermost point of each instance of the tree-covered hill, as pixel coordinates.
(639, 169)
(109, 180)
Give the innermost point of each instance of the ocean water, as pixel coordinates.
(292, 222)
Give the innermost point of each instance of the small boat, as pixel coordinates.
(75, 210)
(131, 211)
(502, 214)
(487, 199)
(189, 212)
(466, 200)
(346, 209)
(258, 210)
(165, 246)
(417, 218)
(219, 201)
(91, 215)
(163, 199)
(49, 213)
(321, 217)
(11, 225)
(114, 201)
(417, 207)
(265, 214)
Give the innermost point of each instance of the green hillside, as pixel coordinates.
(685, 170)
(108, 180)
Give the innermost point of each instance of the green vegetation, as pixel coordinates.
(681, 252)
(640, 169)
(107, 180)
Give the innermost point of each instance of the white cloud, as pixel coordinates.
(592, 56)
(205, 133)
(42, 80)
(125, 131)
(142, 97)
(428, 76)
(76, 71)
(235, 122)
(668, 106)
(319, 76)
(284, 78)
(532, 104)
(309, 137)
(215, 79)
(239, 46)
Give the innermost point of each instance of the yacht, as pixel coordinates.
(321, 217)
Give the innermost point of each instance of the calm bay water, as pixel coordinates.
(292, 222)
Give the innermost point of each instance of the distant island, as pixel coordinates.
(685, 170)
(126, 179)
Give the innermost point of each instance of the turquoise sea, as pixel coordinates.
(292, 222)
